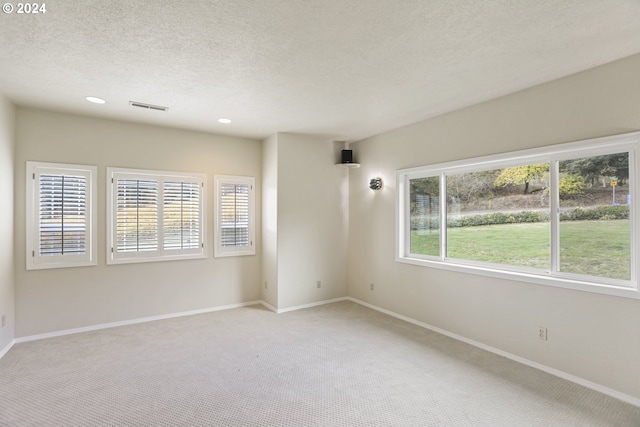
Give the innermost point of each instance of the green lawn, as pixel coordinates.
(599, 248)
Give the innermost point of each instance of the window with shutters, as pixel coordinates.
(155, 216)
(235, 223)
(61, 215)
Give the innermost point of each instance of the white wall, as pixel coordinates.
(592, 336)
(312, 221)
(59, 299)
(306, 226)
(7, 144)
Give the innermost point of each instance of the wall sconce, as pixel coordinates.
(375, 183)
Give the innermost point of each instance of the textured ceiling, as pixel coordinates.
(344, 69)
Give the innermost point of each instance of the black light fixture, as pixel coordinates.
(346, 160)
(346, 156)
(375, 183)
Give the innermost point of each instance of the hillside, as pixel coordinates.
(597, 196)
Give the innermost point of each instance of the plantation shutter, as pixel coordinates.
(136, 215)
(182, 215)
(235, 219)
(62, 214)
(155, 216)
(234, 210)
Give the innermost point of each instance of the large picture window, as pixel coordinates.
(61, 215)
(155, 216)
(562, 215)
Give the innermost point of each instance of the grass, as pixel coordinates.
(598, 248)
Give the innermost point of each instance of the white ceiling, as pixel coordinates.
(343, 69)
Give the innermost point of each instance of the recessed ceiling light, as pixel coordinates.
(224, 121)
(95, 100)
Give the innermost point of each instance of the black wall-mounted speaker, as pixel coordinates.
(347, 156)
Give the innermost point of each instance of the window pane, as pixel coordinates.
(181, 215)
(234, 214)
(594, 216)
(63, 214)
(137, 215)
(500, 216)
(424, 196)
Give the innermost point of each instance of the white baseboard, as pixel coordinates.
(313, 304)
(564, 375)
(167, 316)
(131, 322)
(7, 348)
(269, 306)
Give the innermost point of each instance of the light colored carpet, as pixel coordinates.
(335, 365)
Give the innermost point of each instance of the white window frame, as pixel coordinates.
(35, 261)
(553, 155)
(160, 254)
(226, 251)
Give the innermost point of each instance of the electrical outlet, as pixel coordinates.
(318, 284)
(4, 320)
(542, 333)
(371, 286)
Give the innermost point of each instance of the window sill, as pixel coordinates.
(59, 264)
(218, 254)
(539, 279)
(115, 261)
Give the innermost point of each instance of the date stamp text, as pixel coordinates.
(24, 8)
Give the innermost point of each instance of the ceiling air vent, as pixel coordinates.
(148, 106)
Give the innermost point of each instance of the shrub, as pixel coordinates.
(493, 218)
(571, 185)
(596, 213)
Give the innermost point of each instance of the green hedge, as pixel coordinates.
(599, 212)
(576, 214)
